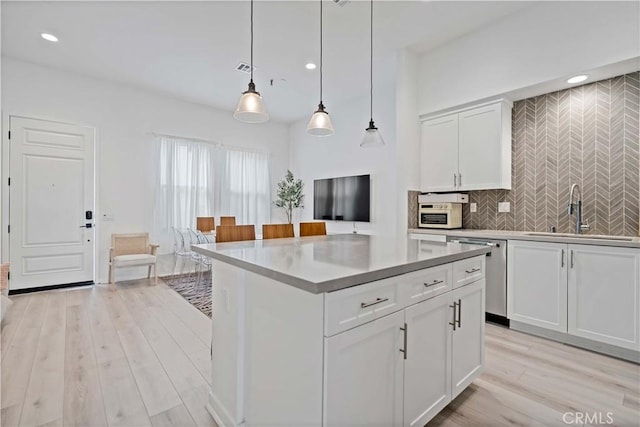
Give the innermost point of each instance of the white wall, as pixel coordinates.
(547, 41)
(341, 155)
(123, 117)
(407, 133)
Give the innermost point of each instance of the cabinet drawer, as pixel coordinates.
(354, 306)
(468, 271)
(424, 284)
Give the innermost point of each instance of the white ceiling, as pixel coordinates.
(190, 49)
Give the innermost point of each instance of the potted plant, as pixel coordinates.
(290, 195)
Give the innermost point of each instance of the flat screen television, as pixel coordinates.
(342, 199)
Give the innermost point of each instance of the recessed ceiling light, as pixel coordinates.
(310, 66)
(49, 37)
(577, 79)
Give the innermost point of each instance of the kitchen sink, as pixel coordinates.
(582, 236)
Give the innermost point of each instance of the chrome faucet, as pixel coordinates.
(577, 208)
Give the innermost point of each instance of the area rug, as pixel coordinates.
(198, 296)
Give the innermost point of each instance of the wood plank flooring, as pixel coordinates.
(139, 356)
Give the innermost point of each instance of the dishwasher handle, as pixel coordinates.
(475, 242)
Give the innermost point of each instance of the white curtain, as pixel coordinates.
(206, 179)
(185, 187)
(244, 186)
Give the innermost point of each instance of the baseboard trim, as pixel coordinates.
(49, 288)
(584, 343)
(496, 318)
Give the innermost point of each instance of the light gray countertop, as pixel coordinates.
(329, 263)
(585, 239)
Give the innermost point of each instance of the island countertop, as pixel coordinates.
(329, 263)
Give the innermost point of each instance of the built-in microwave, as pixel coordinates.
(440, 215)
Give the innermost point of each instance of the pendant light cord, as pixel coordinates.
(371, 67)
(252, 41)
(320, 52)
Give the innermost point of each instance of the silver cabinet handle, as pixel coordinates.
(404, 348)
(459, 312)
(562, 259)
(435, 282)
(572, 263)
(369, 304)
(473, 270)
(460, 179)
(454, 306)
(455, 180)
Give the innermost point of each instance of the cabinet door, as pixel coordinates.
(537, 284)
(427, 383)
(604, 294)
(364, 373)
(439, 163)
(482, 150)
(467, 346)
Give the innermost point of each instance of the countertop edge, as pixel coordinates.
(521, 235)
(342, 282)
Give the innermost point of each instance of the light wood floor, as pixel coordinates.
(140, 356)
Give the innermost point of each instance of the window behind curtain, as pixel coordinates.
(186, 183)
(204, 179)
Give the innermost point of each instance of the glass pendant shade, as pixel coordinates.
(372, 137)
(251, 108)
(320, 123)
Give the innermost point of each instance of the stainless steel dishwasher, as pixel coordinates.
(496, 276)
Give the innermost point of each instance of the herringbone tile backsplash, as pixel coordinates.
(587, 135)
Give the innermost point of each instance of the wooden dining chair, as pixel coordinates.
(313, 229)
(205, 224)
(227, 220)
(277, 231)
(235, 233)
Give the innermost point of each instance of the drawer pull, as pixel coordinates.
(435, 282)
(473, 270)
(369, 304)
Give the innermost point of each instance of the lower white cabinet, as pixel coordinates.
(427, 385)
(604, 294)
(468, 336)
(364, 374)
(588, 291)
(537, 284)
(404, 368)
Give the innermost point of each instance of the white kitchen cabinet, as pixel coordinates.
(427, 386)
(364, 374)
(442, 358)
(440, 154)
(484, 148)
(604, 294)
(588, 293)
(537, 284)
(468, 149)
(468, 336)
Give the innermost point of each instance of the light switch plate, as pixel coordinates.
(473, 207)
(504, 207)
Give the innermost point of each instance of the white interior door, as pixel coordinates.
(51, 190)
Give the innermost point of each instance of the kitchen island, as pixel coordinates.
(343, 329)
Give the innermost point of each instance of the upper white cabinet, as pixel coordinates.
(468, 149)
(440, 154)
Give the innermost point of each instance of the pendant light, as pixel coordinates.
(372, 137)
(320, 123)
(251, 108)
